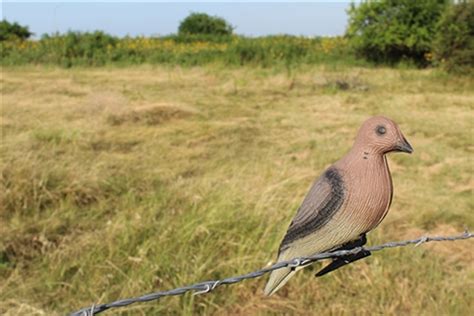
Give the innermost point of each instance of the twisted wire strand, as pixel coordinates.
(208, 286)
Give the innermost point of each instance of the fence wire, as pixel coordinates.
(208, 286)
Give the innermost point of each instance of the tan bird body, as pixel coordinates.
(350, 199)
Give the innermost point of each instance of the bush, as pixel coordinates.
(454, 43)
(389, 31)
(201, 23)
(89, 48)
(98, 48)
(13, 31)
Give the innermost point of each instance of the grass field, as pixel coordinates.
(118, 182)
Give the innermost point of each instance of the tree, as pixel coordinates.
(454, 42)
(391, 30)
(202, 23)
(9, 31)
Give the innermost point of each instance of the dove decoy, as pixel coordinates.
(347, 201)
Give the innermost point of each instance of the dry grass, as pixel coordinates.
(117, 182)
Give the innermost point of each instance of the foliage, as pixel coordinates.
(13, 31)
(95, 49)
(202, 23)
(76, 47)
(389, 31)
(454, 43)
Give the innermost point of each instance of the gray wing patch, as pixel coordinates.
(320, 204)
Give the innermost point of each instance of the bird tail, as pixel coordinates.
(277, 279)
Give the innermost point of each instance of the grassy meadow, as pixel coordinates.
(117, 182)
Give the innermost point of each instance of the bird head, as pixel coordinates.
(381, 135)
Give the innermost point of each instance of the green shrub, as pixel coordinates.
(97, 48)
(78, 48)
(13, 31)
(193, 38)
(389, 31)
(201, 23)
(454, 43)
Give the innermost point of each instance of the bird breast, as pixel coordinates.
(369, 192)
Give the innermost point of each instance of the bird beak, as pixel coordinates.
(404, 146)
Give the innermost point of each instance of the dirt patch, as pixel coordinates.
(22, 249)
(150, 115)
(117, 146)
(342, 82)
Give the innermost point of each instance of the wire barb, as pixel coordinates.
(209, 286)
(422, 241)
(296, 263)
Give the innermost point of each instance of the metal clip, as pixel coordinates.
(297, 263)
(208, 289)
(422, 240)
(89, 312)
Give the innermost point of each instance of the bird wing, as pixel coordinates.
(323, 200)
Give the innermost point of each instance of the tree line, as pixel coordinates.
(424, 33)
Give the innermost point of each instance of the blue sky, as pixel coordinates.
(161, 18)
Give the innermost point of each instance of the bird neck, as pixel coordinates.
(365, 153)
(361, 158)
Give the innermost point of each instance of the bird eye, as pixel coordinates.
(380, 130)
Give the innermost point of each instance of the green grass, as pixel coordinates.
(118, 182)
(74, 49)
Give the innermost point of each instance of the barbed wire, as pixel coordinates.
(208, 286)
